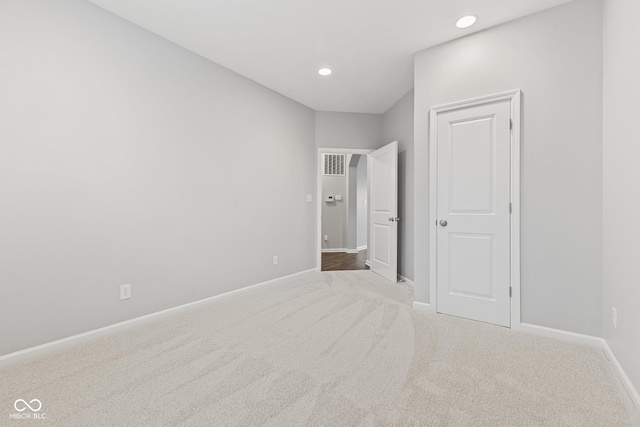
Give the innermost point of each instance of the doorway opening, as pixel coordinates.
(381, 204)
(343, 208)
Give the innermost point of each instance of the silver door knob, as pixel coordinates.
(443, 222)
(394, 219)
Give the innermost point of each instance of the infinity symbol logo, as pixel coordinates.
(26, 405)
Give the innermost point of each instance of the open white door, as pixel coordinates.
(383, 211)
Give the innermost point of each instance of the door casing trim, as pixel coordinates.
(514, 96)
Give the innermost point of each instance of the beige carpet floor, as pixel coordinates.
(327, 349)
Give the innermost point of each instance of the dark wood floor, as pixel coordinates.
(332, 261)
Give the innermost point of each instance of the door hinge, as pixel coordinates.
(510, 124)
(510, 292)
(510, 208)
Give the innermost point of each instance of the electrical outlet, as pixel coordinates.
(309, 198)
(125, 292)
(614, 317)
(275, 260)
(326, 238)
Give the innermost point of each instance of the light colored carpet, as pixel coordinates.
(328, 349)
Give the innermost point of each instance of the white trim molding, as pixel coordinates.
(63, 343)
(514, 97)
(561, 335)
(345, 250)
(362, 248)
(590, 341)
(626, 381)
(423, 306)
(409, 282)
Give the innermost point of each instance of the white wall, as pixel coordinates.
(555, 57)
(348, 130)
(622, 182)
(127, 159)
(397, 125)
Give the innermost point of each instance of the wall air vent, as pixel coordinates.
(333, 164)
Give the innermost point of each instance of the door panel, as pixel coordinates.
(381, 245)
(473, 192)
(471, 258)
(472, 188)
(383, 211)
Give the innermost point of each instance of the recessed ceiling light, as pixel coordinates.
(466, 21)
(324, 71)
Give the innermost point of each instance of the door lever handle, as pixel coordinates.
(394, 219)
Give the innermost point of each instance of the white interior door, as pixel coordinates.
(383, 211)
(473, 208)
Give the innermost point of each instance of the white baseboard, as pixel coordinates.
(362, 248)
(635, 396)
(60, 344)
(561, 335)
(422, 306)
(345, 250)
(367, 263)
(590, 341)
(409, 282)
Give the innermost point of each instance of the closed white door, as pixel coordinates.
(383, 211)
(473, 208)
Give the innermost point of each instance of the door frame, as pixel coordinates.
(514, 96)
(319, 166)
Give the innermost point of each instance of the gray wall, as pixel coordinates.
(352, 204)
(622, 182)
(334, 214)
(555, 57)
(343, 221)
(361, 210)
(348, 130)
(354, 211)
(397, 125)
(127, 159)
(344, 130)
(353, 130)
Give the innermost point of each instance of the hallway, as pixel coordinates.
(334, 261)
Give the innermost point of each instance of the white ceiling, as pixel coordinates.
(281, 44)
